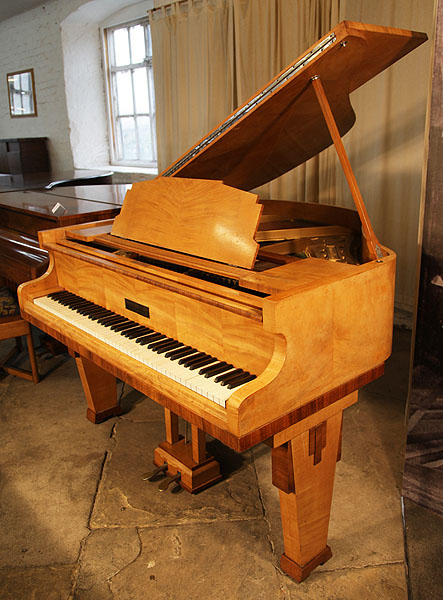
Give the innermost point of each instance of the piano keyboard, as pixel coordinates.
(205, 374)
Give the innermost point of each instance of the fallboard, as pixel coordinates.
(221, 333)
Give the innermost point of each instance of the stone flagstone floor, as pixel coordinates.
(77, 521)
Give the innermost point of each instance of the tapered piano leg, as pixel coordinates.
(197, 469)
(303, 469)
(100, 389)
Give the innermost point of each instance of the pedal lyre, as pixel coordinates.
(151, 475)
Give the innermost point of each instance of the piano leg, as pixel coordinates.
(303, 470)
(197, 469)
(100, 390)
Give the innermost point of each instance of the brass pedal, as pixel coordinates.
(151, 475)
(163, 485)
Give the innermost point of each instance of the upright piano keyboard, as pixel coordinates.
(254, 320)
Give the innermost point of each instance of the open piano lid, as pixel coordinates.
(279, 128)
(282, 126)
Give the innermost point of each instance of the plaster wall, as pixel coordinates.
(61, 41)
(32, 40)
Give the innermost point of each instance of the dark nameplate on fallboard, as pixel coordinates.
(140, 309)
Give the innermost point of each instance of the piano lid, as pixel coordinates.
(282, 126)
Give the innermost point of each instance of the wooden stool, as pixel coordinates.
(12, 325)
(15, 326)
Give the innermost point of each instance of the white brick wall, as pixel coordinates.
(32, 40)
(76, 126)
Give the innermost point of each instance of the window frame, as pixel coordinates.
(112, 99)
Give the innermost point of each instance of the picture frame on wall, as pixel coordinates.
(21, 92)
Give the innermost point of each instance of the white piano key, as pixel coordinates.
(159, 362)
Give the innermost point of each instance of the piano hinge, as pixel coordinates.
(253, 103)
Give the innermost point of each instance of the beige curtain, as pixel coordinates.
(193, 72)
(211, 55)
(269, 35)
(386, 144)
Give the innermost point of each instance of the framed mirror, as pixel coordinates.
(21, 91)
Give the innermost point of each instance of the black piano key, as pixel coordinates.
(96, 313)
(233, 376)
(146, 333)
(55, 295)
(173, 352)
(165, 351)
(216, 365)
(165, 342)
(240, 380)
(155, 343)
(62, 297)
(125, 321)
(202, 362)
(89, 309)
(99, 318)
(70, 301)
(83, 309)
(124, 325)
(169, 346)
(188, 360)
(61, 293)
(216, 370)
(181, 353)
(135, 332)
(149, 338)
(132, 334)
(75, 300)
(108, 321)
(226, 376)
(126, 329)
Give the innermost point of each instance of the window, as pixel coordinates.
(131, 92)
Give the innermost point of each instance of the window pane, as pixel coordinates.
(132, 97)
(124, 93)
(17, 102)
(148, 42)
(128, 138)
(27, 103)
(15, 82)
(25, 80)
(151, 91)
(137, 36)
(121, 47)
(141, 91)
(145, 139)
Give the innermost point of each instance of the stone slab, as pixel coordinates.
(385, 582)
(219, 560)
(36, 583)
(50, 460)
(124, 500)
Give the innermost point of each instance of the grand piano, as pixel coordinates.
(24, 212)
(253, 320)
